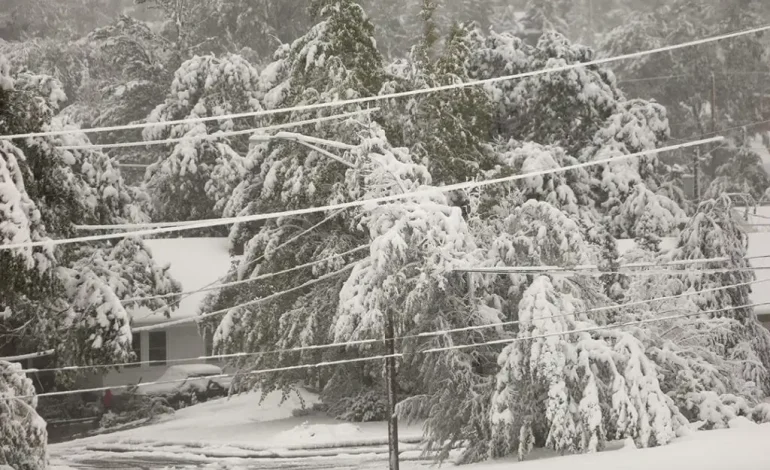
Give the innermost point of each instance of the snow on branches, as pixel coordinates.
(194, 178)
(573, 391)
(20, 219)
(23, 434)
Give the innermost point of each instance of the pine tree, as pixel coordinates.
(80, 288)
(23, 435)
(735, 333)
(258, 26)
(445, 131)
(196, 176)
(546, 15)
(550, 391)
(336, 58)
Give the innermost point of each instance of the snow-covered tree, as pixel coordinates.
(23, 435)
(256, 25)
(193, 178)
(336, 58)
(184, 19)
(647, 217)
(570, 192)
(741, 172)
(546, 15)
(79, 288)
(708, 89)
(731, 329)
(572, 391)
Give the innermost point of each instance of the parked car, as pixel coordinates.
(179, 384)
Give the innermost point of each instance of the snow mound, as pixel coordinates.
(741, 422)
(320, 433)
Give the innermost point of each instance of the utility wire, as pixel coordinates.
(592, 329)
(480, 270)
(183, 321)
(261, 277)
(251, 263)
(404, 94)
(400, 338)
(376, 358)
(359, 203)
(216, 135)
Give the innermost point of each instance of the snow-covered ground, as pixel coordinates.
(744, 447)
(240, 433)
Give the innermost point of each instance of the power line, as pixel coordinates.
(669, 272)
(23, 357)
(221, 376)
(183, 321)
(257, 260)
(261, 277)
(592, 329)
(593, 267)
(404, 94)
(560, 269)
(400, 338)
(359, 203)
(481, 270)
(427, 351)
(216, 135)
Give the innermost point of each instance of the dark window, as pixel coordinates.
(158, 348)
(136, 346)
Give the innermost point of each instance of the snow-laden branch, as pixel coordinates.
(23, 357)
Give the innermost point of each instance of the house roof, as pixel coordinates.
(195, 263)
(759, 245)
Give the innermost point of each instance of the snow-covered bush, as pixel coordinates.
(761, 413)
(23, 435)
(367, 406)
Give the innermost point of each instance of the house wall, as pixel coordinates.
(182, 342)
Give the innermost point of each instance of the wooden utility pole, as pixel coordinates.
(713, 103)
(390, 373)
(696, 175)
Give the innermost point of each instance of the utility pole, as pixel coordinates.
(696, 175)
(390, 373)
(713, 103)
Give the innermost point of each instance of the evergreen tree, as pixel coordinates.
(196, 176)
(336, 58)
(707, 89)
(259, 26)
(445, 131)
(566, 392)
(23, 435)
(734, 333)
(79, 288)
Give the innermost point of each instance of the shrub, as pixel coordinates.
(365, 407)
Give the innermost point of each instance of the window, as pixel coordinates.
(158, 348)
(136, 346)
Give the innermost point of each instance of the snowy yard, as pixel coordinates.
(239, 433)
(528, 223)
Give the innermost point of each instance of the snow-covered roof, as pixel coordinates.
(195, 263)
(759, 245)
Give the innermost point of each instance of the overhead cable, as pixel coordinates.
(404, 94)
(347, 205)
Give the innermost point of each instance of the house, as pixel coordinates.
(759, 245)
(196, 263)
